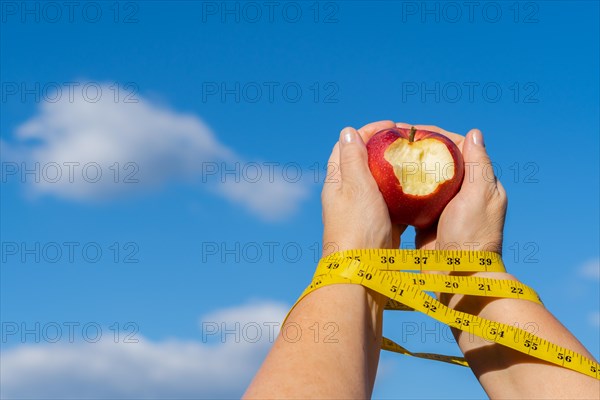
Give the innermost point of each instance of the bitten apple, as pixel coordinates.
(418, 172)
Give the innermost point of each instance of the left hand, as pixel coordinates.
(355, 215)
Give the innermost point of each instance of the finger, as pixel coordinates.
(479, 174)
(354, 166)
(367, 131)
(456, 138)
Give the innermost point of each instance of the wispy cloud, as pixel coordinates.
(148, 369)
(252, 312)
(594, 319)
(93, 151)
(591, 269)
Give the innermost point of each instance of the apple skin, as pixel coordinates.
(407, 209)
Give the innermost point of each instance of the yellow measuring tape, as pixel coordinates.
(381, 270)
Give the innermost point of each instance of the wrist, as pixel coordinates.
(493, 244)
(375, 301)
(342, 302)
(353, 243)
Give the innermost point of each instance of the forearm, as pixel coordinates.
(506, 373)
(326, 364)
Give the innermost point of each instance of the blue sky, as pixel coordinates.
(179, 93)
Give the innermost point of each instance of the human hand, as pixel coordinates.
(474, 218)
(355, 215)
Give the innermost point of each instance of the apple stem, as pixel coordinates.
(413, 130)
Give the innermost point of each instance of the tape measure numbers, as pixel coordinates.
(381, 270)
(424, 260)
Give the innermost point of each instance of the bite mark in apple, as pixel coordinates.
(420, 166)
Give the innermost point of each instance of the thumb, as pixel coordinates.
(354, 165)
(479, 171)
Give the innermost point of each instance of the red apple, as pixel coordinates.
(418, 172)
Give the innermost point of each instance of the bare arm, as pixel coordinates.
(474, 219)
(506, 373)
(337, 353)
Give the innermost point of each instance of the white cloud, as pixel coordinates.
(591, 269)
(167, 369)
(254, 312)
(594, 319)
(152, 145)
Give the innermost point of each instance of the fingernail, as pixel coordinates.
(348, 135)
(478, 138)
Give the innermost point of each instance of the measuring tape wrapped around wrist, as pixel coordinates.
(382, 270)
